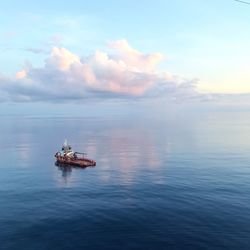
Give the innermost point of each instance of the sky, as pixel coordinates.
(123, 52)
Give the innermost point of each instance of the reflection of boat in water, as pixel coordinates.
(66, 169)
(68, 157)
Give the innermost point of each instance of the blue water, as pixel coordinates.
(160, 183)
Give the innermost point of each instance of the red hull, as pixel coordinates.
(82, 162)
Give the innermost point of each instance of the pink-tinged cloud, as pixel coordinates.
(21, 74)
(135, 60)
(61, 59)
(124, 73)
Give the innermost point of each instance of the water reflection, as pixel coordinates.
(65, 169)
(121, 147)
(126, 151)
(23, 148)
(67, 178)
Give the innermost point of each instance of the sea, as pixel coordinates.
(180, 181)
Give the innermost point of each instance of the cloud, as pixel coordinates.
(135, 60)
(123, 73)
(36, 50)
(21, 74)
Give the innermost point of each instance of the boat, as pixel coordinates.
(67, 156)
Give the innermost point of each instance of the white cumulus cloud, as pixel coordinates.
(123, 73)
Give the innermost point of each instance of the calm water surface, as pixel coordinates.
(174, 183)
